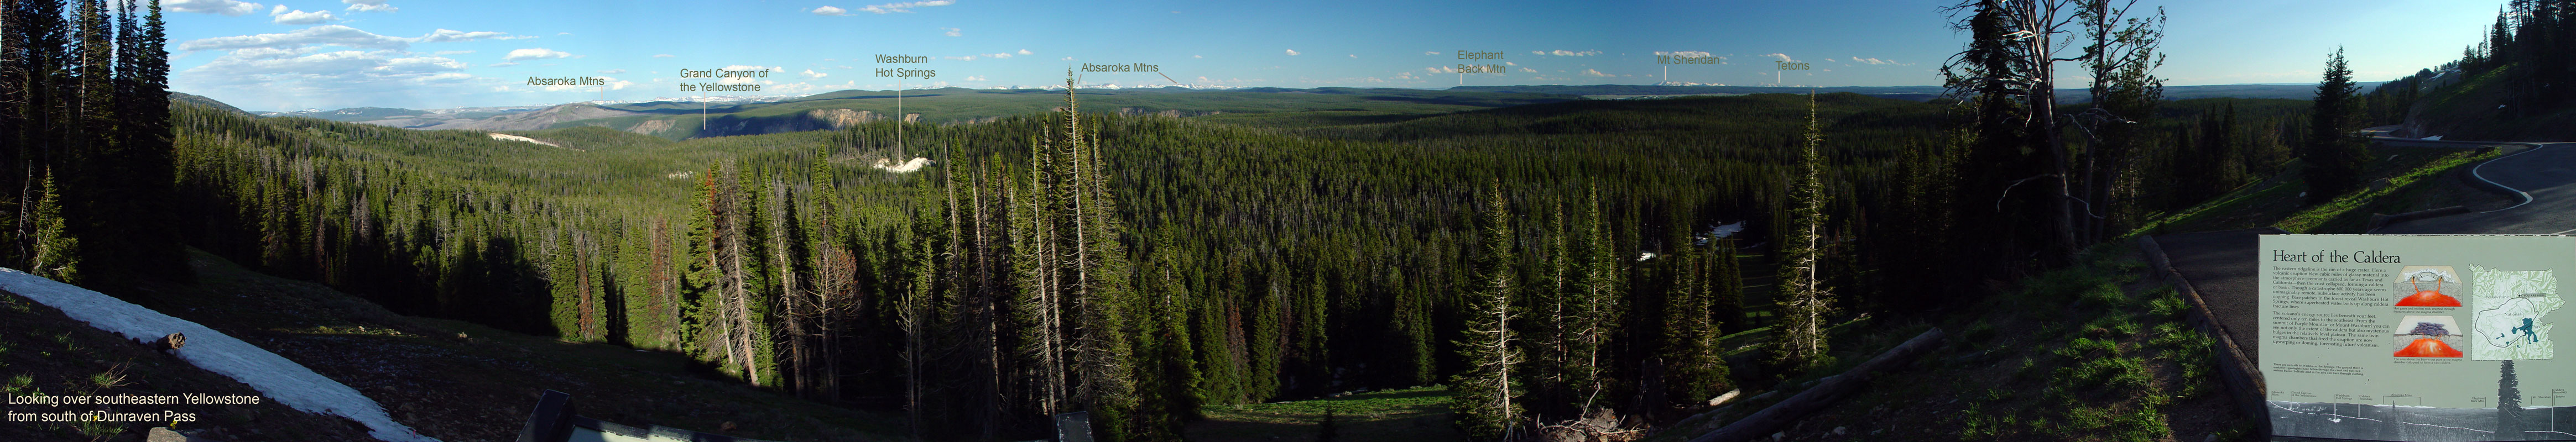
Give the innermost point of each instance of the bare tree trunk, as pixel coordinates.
(2040, 18)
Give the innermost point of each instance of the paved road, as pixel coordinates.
(2221, 265)
(2547, 173)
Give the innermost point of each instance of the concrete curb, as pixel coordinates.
(2244, 382)
(2474, 177)
(2480, 180)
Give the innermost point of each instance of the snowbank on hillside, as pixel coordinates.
(509, 137)
(907, 166)
(275, 377)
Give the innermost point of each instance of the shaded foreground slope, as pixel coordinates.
(462, 382)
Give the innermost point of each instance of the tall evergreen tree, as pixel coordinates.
(2508, 400)
(1486, 389)
(1799, 339)
(1600, 304)
(2335, 153)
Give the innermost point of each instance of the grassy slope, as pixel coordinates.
(43, 352)
(2098, 352)
(2419, 178)
(2094, 352)
(2107, 356)
(463, 382)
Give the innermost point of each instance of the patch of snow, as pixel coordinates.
(1720, 232)
(509, 137)
(907, 167)
(275, 377)
(2434, 138)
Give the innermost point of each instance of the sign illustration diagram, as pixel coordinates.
(2510, 321)
(2423, 287)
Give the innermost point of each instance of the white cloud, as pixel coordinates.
(663, 55)
(1353, 55)
(1566, 53)
(810, 74)
(312, 78)
(1529, 70)
(613, 71)
(502, 64)
(905, 7)
(234, 8)
(536, 53)
(1292, 52)
(975, 78)
(317, 35)
(443, 34)
(961, 58)
(452, 52)
(828, 10)
(1026, 52)
(369, 6)
(1595, 73)
(1430, 52)
(955, 32)
(421, 64)
(1871, 61)
(1198, 56)
(1068, 59)
(299, 17)
(1692, 54)
(1782, 57)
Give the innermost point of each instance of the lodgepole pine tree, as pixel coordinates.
(1485, 390)
(1799, 339)
(2335, 155)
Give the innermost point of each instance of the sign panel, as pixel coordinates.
(2416, 337)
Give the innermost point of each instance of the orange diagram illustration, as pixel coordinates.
(2427, 298)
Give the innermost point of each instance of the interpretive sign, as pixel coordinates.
(2416, 337)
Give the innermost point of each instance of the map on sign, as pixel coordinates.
(2511, 317)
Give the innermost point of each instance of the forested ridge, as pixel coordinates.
(1242, 264)
(1542, 261)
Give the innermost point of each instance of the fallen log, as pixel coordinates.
(1827, 391)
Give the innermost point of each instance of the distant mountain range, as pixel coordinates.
(679, 119)
(1916, 93)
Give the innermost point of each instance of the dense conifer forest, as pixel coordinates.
(1234, 264)
(88, 158)
(1541, 260)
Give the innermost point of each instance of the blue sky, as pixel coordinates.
(286, 55)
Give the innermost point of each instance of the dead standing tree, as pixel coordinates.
(2008, 74)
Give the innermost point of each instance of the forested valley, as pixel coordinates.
(1543, 261)
(1134, 267)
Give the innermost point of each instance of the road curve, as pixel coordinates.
(2544, 173)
